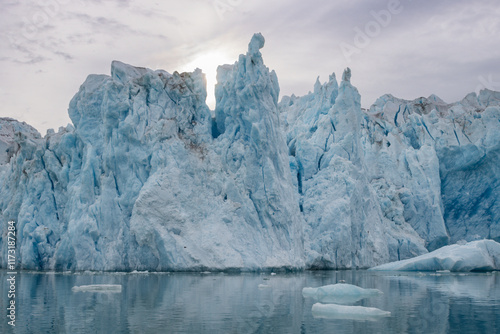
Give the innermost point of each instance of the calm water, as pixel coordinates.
(227, 303)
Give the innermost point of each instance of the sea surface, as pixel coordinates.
(246, 303)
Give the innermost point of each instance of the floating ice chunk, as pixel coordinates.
(264, 286)
(340, 293)
(90, 272)
(140, 272)
(105, 288)
(334, 311)
(481, 255)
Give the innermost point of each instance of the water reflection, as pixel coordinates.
(341, 293)
(347, 312)
(223, 303)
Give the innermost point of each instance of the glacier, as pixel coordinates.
(139, 183)
(147, 177)
(480, 255)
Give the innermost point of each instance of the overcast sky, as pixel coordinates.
(406, 48)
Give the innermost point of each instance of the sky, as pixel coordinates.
(403, 47)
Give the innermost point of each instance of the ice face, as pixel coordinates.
(146, 179)
(75, 191)
(345, 224)
(458, 185)
(139, 182)
(419, 173)
(482, 255)
(232, 205)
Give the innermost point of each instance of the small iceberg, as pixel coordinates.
(140, 272)
(334, 311)
(340, 293)
(481, 255)
(103, 288)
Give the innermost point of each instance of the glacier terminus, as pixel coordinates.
(147, 177)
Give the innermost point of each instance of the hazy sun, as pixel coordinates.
(208, 63)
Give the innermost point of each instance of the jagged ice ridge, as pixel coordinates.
(147, 178)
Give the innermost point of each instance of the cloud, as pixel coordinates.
(64, 55)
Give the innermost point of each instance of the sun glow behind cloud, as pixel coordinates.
(448, 48)
(208, 63)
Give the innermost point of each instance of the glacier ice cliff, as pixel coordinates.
(346, 227)
(231, 203)
(147, 178)
(139, 182)
(394, 181)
